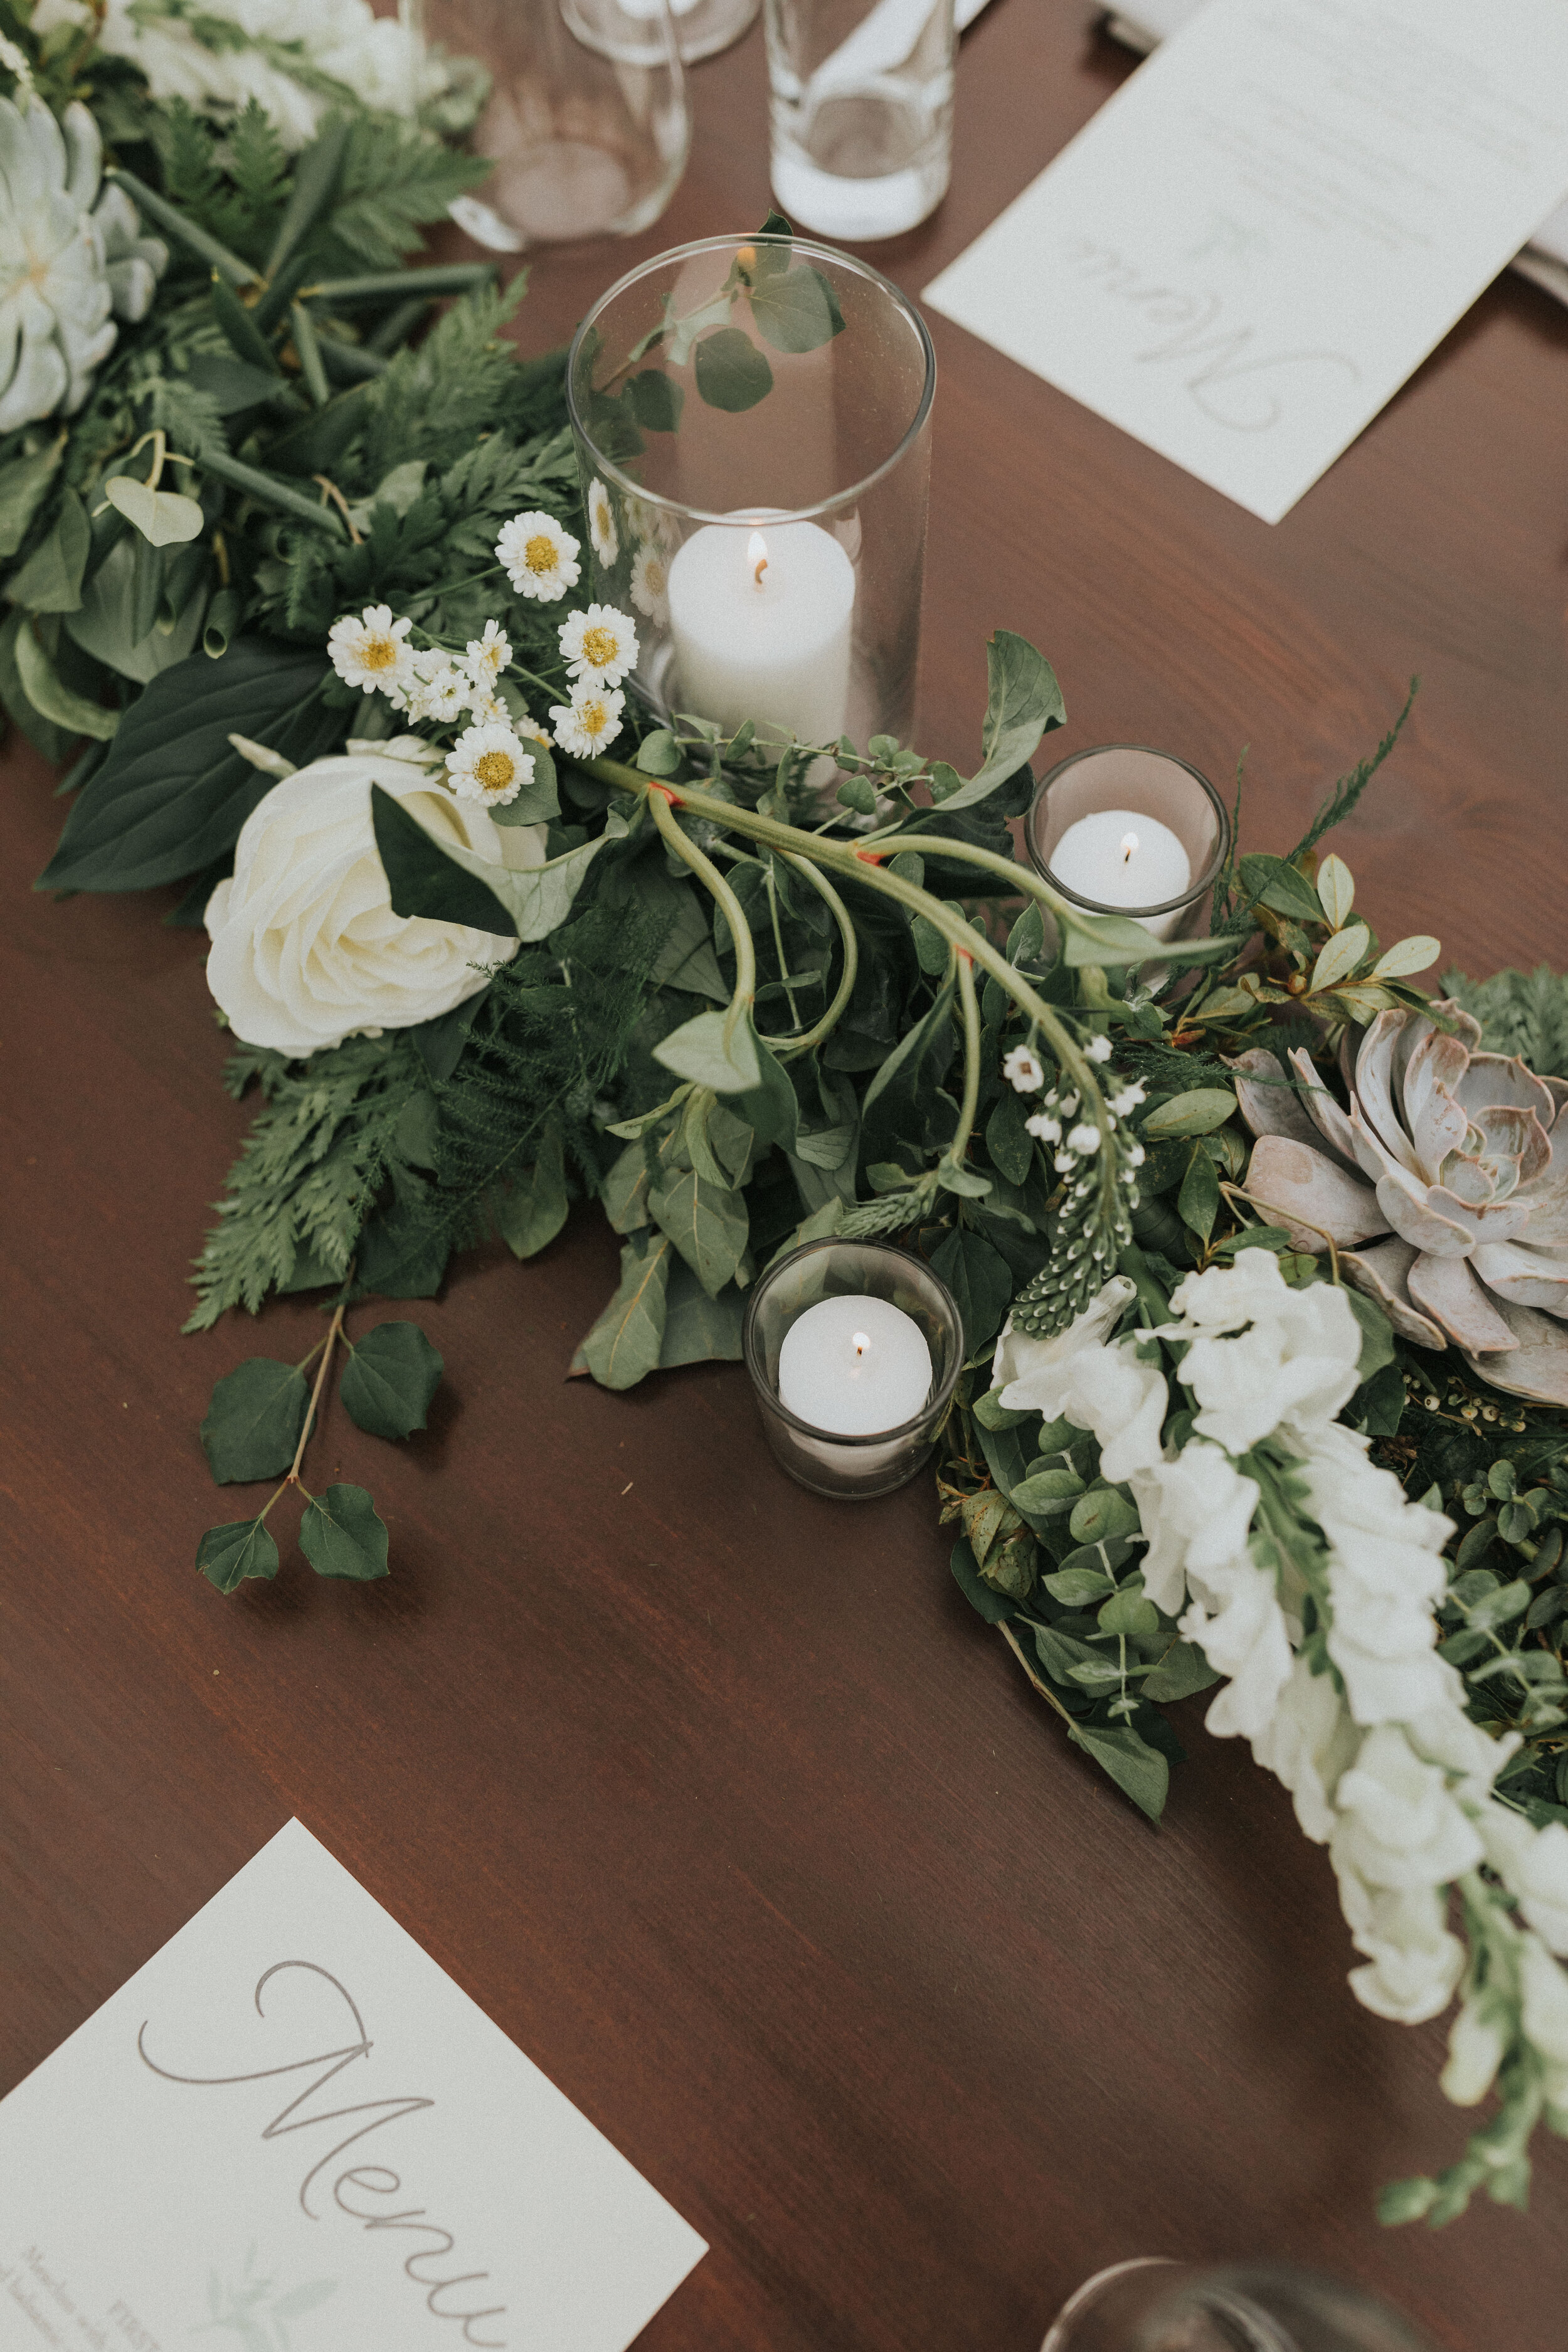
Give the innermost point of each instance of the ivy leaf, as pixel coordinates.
(795, 310)
(254, 1420)
(164, 517)
(391, 1376)
(341, 1535)
(624, 1345)
(732, 373)
(50, 580)
(174, 793)
(699, 1051)
(1140, 1771)
(1197, 1112)
(228, 1555)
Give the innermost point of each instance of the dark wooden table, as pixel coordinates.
(716, 1797)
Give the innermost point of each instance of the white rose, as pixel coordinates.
(1399, 1827)
(306, 949)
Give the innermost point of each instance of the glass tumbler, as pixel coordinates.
(860, 112)
(1122, 830)
(851, 1469)
(753, 419)
(586, 120)
(1161, 2307)
(703, 28)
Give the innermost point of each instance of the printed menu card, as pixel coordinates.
(1245, 252)
(291, 2132)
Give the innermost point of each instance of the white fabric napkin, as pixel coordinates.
(1142, 25)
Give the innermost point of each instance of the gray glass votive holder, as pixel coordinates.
(1132, 781)
(851, 1469)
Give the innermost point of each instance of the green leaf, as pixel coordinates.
(341, 1535)
(1102, 1516)
(1111, 941)
(1198, 1112)
(657, 401)
(1414, 954)
(48, 693)
(699, 1329)
(391, 1376)
(1336, 890)
(699, 1051)
(1023, 703)
(1127, 1612)
(1007, 1139)
(1047, 1493)
(50, 580)
(1377, 1336)
(993, 1606)
(173, 794)
(1181, 1672)
(164, 517)
(23, 483)
(105, 623)
(1138, 1769)
(532, 1210)
(625, 1344)
(254, 1420)
(427, 876)
(795, 310)
(228, 1555)
(1078, 1587)
(768, 1108)
(708, 1225)
(732, 373)
(1197, 1203)
(1340, 957)
(659, 754)
(981, 1282)
(1281, 887)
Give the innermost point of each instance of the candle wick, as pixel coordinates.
(757, 556)
(760, 568)
(860, 1343)
(1129, 843)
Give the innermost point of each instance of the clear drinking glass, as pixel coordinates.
(1152, 814)
(752, 426)
(586, 120)
(861, 111)
(703, 28)
(1160, 2306)
(851, 1469)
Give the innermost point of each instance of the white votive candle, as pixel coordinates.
(760, 616)
(1118, 859)
(855, 1367)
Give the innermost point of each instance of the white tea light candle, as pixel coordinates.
(855, 1367)
(760, 616)
(1118, 859)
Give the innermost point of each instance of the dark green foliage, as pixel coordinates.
(393, 1372)
(1523, 1013)
(342, 1534)
(243, 1548)
(254, 1422)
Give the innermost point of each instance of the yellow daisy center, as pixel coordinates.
(600, 646)
(654, 575)
(379, 653)
(594, 718)
(494, 770)
(538, 554)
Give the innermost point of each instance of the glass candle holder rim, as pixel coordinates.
(1195, 889)
(936, 1404)
(814, 251)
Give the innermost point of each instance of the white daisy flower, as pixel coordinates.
(539, 557)
(489, 764)
(600, 645)
(1023, 1070)
(489, 655)
(443, 695)
(602, 524)
(370, 652)
(1098, 1049)
(590, 721)
(650, 585)
(653, 524)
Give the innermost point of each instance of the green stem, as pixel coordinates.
(788, 1047)
(729, 906)
(970, 1005)
(789, 985)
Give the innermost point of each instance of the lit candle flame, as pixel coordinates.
(860, 1343)
(1129, 843)
(757, 556)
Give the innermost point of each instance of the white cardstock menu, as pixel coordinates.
(1245, 252)
(291, 2132)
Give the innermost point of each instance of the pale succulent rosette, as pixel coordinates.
(1439, 1183)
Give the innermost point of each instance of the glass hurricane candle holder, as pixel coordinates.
(894, 1288)
(1122, 830)
(1155, 2305)
(752, 418)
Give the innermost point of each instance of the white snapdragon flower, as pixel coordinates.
(1477, 2043)
(1386, 1575)
(1398, 1825)
(1020, 1361)
(489, 765)
(602, 524)
(598, 645)
(1307, 1744)
(1261, 1354)
(1533, 1865)
(539, 557)
(1023, 1071)
(1544, 1989)
(1416, 1963)
(1197, 1511)
(370, 652)
(1237, 1622)
(589, 723)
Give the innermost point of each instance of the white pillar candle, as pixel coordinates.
(760, 615)
(1117, 858)
(855, 1367)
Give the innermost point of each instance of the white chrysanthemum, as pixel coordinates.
(540, 559)
(650, 585)
(368, 652)
(488, 656)
(68, 258)
(600, 645)
(650, 523)
(1023, 1070)
(441, 695)
(489, 764)
(602, 524)
(591, 721)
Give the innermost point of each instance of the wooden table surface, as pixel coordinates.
(717, 1797)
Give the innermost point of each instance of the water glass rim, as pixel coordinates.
(935, 1404)
(1194, 888)
(848, 262)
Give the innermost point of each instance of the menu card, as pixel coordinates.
(1245, 252)
(291, 2132)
